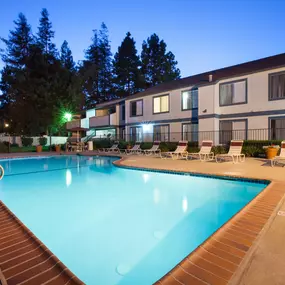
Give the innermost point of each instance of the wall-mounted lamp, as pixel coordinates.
(204, 111)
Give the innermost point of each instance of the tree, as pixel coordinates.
(126, 68)
(17, 44)
(66, 57)
(46, 34)
(157, 65)
(97, 68)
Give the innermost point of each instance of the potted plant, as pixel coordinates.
(42, 142)
(271, 150)
(57, 147)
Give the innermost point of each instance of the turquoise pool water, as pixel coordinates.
(113, 226)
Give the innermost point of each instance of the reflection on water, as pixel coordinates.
(156, 195)
(68, 177)
(184, 204)
(145, 177)
(102, 165)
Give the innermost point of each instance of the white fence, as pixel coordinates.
(17, 140)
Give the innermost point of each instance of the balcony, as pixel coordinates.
(73, 124)
(103, 121)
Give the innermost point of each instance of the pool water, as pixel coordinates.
(114, 226)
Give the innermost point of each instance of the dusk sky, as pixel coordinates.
(203, 34)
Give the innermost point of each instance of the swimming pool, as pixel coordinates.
(114, 226)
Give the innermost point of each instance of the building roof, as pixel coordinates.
(218, 74)
(258, 65)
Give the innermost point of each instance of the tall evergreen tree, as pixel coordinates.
(126, 68)
(17, 44)
(66, 57)
(46, 34)
(157, 65)
(97, 68)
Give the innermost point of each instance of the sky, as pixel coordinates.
(203, 34)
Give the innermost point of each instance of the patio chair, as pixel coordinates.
(74, 145)
(281, 157)
(113, 148)
(153, 150)
(136, 149)
(205, 153)
(181, 151)
(234, 152)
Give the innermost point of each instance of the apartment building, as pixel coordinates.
(245, 101)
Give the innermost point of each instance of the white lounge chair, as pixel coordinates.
(234, 152)
(181, 151)
(205, 153)
(113, 148)
(154, 149)
(281, 157)
(136, 149)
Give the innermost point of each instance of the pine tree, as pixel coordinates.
(66, 57)
(17, 44)
(97, 68)
(157, 65)
(126, 68)
(46, 34)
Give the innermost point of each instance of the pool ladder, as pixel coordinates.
(2, 172)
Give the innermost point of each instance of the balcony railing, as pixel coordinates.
(73, 124)
(103, 121)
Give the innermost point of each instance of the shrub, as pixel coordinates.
(3, 147)
(146, 145)
(193, 149)
(14, 145)
(27, 141)
(42, 141)
(253, 151)
(102, 144)
(219, 149)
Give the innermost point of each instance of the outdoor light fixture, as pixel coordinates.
(68, 116)
(6, 125)
(146, 127)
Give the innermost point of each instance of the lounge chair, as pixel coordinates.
(234, 152)
(281, 157)
(205, 153)
(181, 151)
(136, 149)
(113, 148)
(153, 150)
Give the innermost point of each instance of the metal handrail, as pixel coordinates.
(2, 172)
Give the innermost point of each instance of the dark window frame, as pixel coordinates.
(232, 121)
(136, 127)
(189, 123)
(269, 125)
(161, 125)
(231, 82)
(123, 115)
(159, 97)
(269, 85)
(193, 89)
(135, 101)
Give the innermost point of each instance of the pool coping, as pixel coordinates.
(226, 248)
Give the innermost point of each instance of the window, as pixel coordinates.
(123, 112)
(161, 133)
(190, 132)
(136, 134)
(277, 128)
(277, 86)
(161, 104)
(107, 133)
(232, 130)
(189, 99)
(136, 108)
(232, 93)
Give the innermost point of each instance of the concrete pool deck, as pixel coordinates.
(248, 250)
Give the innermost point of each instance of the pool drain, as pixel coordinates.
(123, 269)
